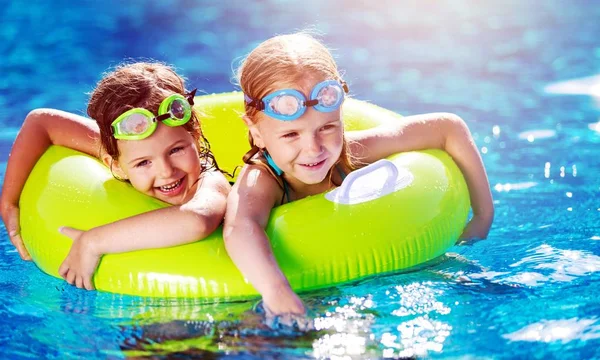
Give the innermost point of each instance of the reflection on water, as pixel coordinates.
(554, 265)
(563, 331)
(546, 264)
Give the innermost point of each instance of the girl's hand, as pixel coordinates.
(477, 229)
(283, 307)
(300, 322)
(10, 216)
(81, 262)
(283, 300)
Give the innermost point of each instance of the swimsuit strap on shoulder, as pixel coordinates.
(279, 173)
(340, 171)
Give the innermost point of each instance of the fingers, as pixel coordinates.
(17, 241)
(70, 278)
(62, 270)
(73, 279)
(87, 283)
(473, 232)
(292, 321)
(79, 282)
(14, 233)
(304, 323)
(82, 282)
(291, 317)
(70, 232)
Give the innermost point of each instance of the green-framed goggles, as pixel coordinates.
(139, 123)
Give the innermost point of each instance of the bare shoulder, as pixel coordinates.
(211, 194)
(257, 180)
(216, 180)
(255, 190)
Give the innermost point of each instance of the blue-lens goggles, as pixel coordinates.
(290, 104)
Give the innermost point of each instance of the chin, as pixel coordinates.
(312, 180)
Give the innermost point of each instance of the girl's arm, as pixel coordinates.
(442, 131)
(171, 226)
(248, 208)
(41, 128)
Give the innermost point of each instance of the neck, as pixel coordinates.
(300, 190)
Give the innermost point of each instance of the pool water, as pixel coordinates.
(509, 68)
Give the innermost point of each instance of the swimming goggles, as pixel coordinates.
(290, 104)
(139, 123)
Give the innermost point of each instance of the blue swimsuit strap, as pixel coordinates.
(278, 173)
(286, 191)
(340, 171)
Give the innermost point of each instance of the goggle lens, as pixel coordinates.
(329, 95)
(286, 105)
(134, 124)
(177, 109)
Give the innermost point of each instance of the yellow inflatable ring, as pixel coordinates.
(319, 241)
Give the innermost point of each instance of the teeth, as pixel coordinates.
(171, 186)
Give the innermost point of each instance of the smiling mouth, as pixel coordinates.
(315, 164)
(171, 187)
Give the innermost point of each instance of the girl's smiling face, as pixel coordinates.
(306, 148)
(165, 165)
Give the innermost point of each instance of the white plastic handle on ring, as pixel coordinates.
(388, 186)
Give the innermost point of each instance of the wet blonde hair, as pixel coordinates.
(280, 62)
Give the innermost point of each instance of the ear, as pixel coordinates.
(258, 141)
(247, 120)
(113, 165)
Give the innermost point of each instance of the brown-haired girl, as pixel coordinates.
(146, 131)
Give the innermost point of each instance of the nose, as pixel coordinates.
(165, 168)
(314, 145)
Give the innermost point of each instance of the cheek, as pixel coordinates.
(337, 144)
(283, 151)
(139, 179)
(274, 144)
(335, 139)
(191, 162)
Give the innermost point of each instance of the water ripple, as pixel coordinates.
(554, 265)
(557, 330)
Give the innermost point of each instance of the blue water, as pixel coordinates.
(529, 291)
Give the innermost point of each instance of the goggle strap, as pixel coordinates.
(312, 102)
(257, 104)
(163, 117)
(190, 96)
(345, 86)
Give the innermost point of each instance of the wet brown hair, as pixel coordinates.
(144, 85)
(282, 62)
